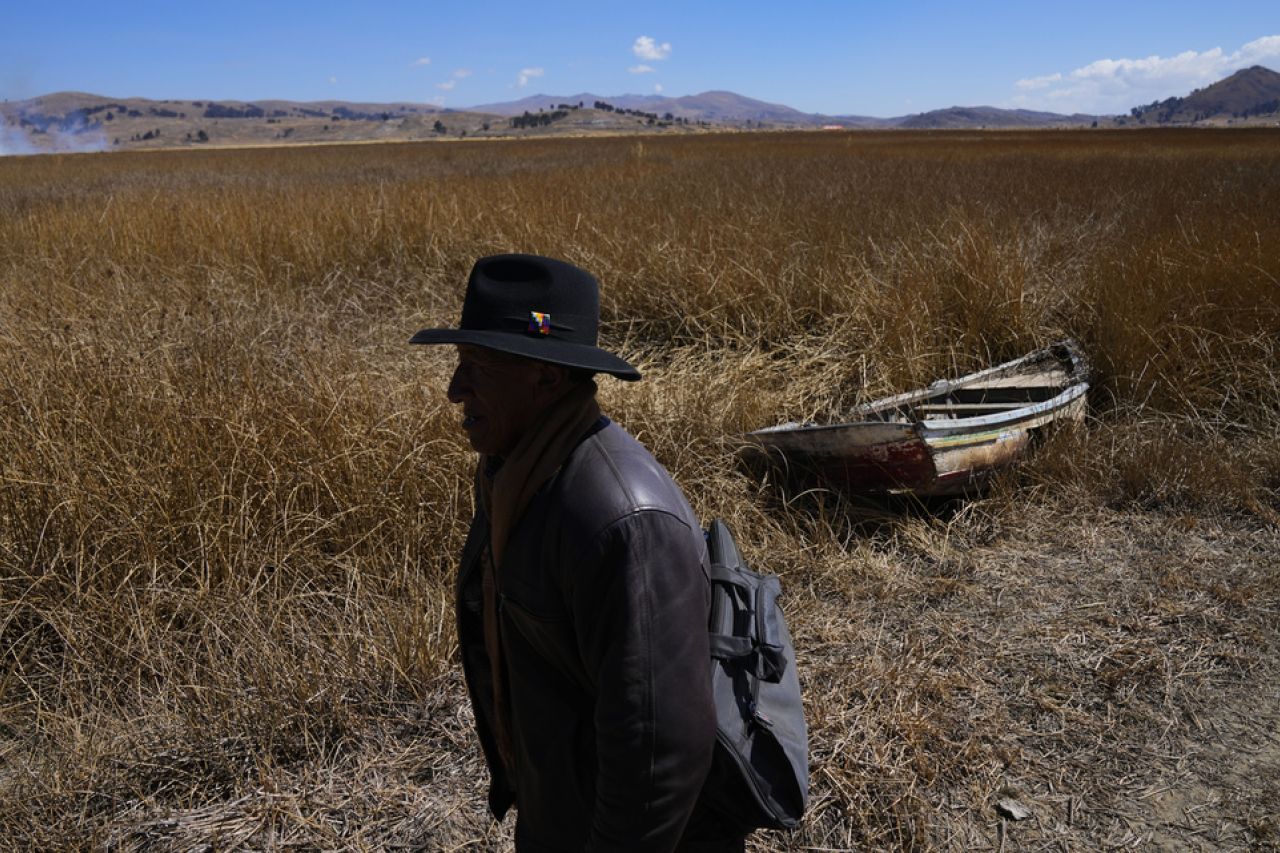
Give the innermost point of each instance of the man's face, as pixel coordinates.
(501, 397)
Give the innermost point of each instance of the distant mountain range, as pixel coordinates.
(1249, 93)
(75, 121)
(719, 107)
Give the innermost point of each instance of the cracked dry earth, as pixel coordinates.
(1133, 664)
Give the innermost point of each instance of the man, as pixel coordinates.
(582, 589)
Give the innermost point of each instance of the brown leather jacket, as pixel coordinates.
(603, 597)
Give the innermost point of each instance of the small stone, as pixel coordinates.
(1012, 809)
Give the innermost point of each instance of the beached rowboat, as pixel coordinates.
(942, 440)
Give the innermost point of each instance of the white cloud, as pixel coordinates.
(1116, 85)
(641, 69)
(333, 79)
(458, 74)
(657, 87)
(527, 74)
(1258, 51)
(437, 101)
(1032, 83)
(646, 48)
(422, 60)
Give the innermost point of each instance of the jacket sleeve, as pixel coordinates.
(640, 616)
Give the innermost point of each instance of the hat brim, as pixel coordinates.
(542, 349)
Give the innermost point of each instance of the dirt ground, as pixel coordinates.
(1112, 672)
(1169, 624)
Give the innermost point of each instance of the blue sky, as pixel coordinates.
(840, 58)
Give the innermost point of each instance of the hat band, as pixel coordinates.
(537, 323)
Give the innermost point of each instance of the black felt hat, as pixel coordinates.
(536, 307)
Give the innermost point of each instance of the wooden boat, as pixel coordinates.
(945, 439)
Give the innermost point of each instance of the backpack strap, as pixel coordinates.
(772, 659)
(758, 596)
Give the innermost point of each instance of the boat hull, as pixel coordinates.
(872, 460)
(897, 449)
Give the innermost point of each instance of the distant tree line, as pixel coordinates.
(339, 113)
(80, 120)
(607, 107)
(355, 115)
(650, 118)
(222, 111)
(540, 120)
(88, 111)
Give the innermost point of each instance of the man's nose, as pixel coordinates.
(458, 386)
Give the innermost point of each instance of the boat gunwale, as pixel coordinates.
(1074, 388)
(947, 426)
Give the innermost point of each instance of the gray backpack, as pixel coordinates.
(760, 772)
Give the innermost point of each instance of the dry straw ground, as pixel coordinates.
(231, 496)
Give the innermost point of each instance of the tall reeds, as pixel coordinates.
(231, 496)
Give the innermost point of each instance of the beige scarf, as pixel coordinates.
(535, 459)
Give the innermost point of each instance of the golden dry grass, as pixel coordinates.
(231, 496)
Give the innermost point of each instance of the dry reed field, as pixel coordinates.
(231, 496)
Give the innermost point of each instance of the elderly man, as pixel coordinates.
(582, 589)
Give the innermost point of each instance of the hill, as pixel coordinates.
(729, 108)
(714, 107)
(78, 122)
(971, 117)
(1248, 93)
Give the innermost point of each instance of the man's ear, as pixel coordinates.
(552, 377)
